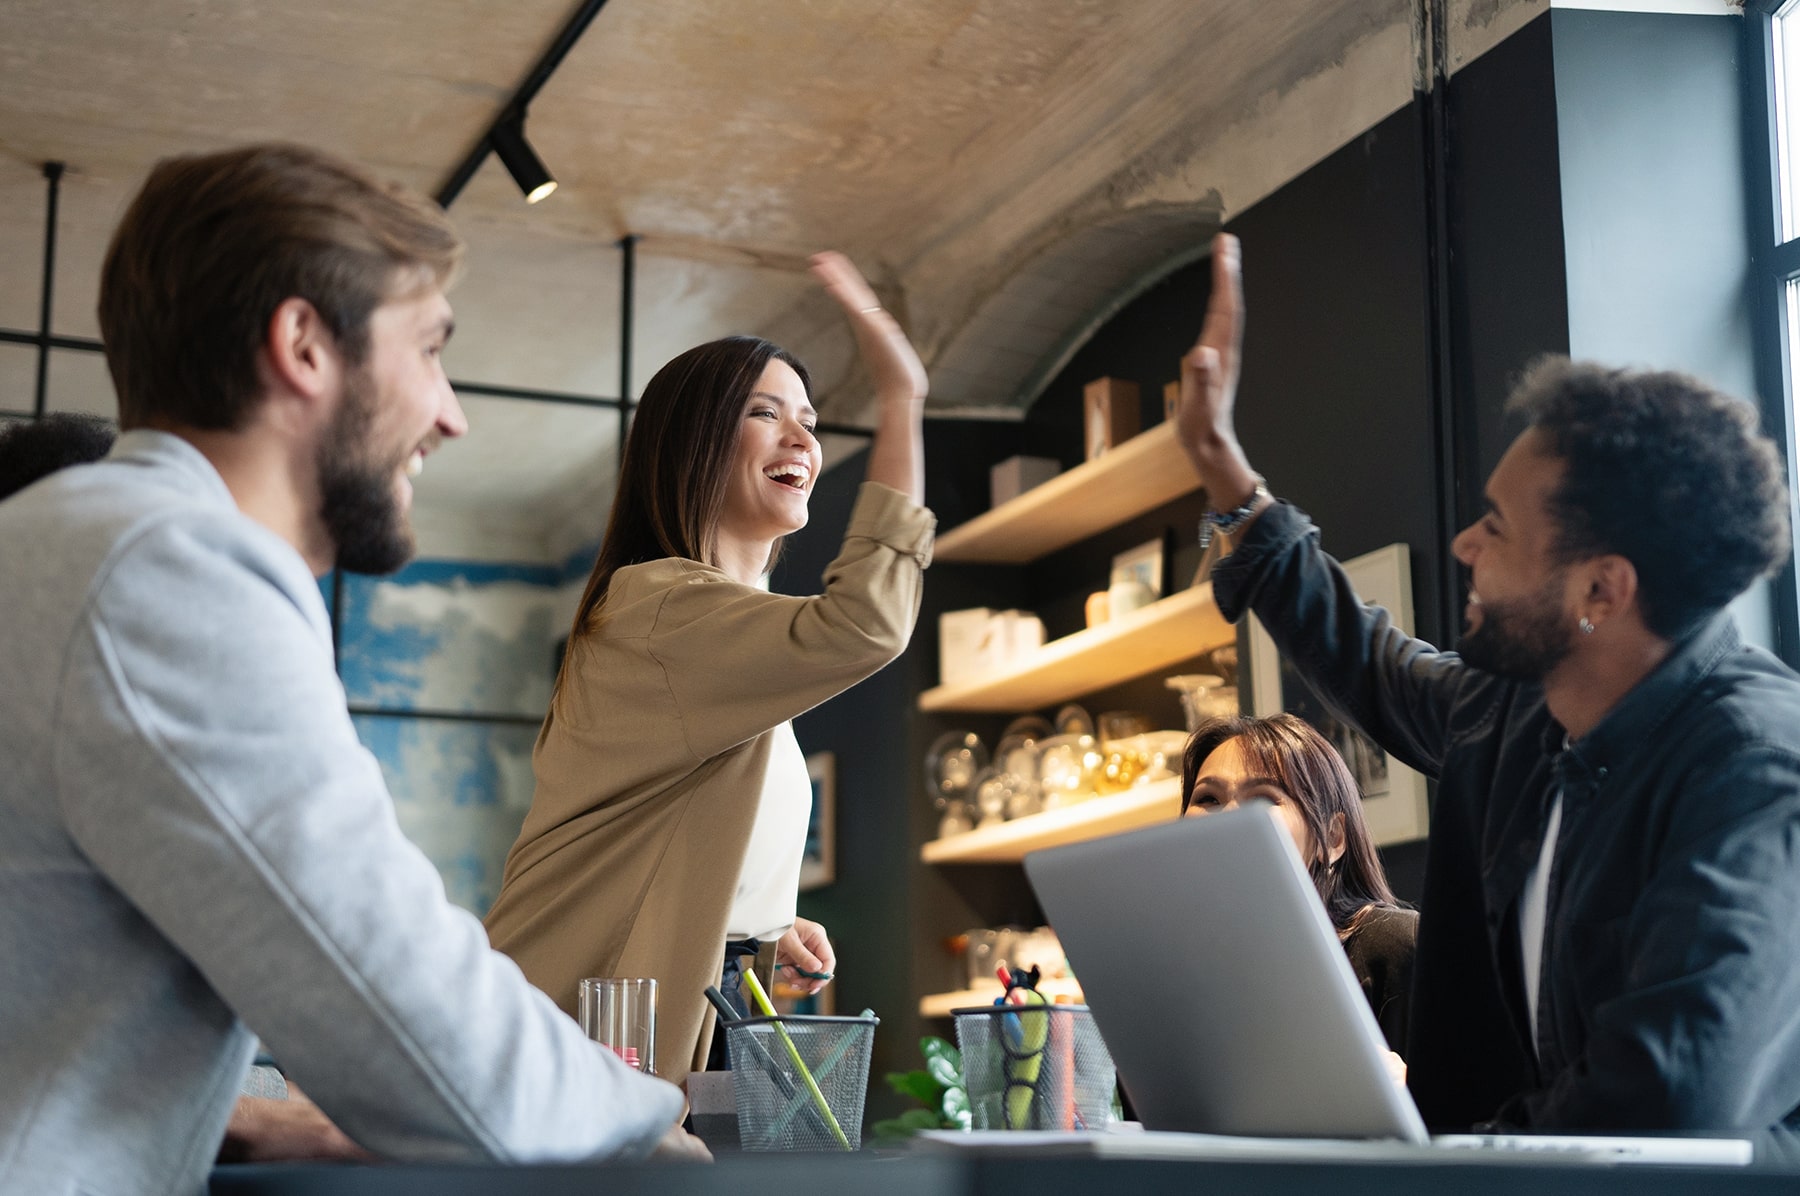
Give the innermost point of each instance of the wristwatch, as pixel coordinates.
(1229, 523)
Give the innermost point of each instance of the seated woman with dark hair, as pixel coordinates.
(1285, 762)
(34, 449)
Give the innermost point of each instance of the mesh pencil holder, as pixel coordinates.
(1034, 1067)
(800, 1082)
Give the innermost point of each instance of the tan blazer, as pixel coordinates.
(651, 761)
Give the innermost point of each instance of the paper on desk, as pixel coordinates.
(1510, 1150)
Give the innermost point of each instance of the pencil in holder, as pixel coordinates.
(800, 1082)
(1034, 1067)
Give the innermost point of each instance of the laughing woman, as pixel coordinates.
(666, 831)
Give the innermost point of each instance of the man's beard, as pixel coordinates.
(1521, 640)
(357, 501)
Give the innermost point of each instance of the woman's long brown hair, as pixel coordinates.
(1310, 771)
(678, 459)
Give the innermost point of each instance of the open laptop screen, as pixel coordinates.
(1218, 983)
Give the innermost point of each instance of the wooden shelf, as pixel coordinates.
(1145, 805)
(940, 1004)
(1140, 475)
(1164, 633)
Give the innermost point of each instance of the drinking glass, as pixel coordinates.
(621, 1015)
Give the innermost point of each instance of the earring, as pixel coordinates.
(1587, 628)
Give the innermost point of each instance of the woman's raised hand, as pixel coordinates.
(892, 364)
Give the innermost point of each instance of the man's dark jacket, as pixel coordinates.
(1670, 990)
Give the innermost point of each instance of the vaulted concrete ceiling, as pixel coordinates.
(1006, 171)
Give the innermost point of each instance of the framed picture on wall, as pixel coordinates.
(818, 867)
(1393, 794)
(1136, 579)
(1142, 566)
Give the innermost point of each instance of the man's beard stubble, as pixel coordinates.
(357, 502)
(1522, 639)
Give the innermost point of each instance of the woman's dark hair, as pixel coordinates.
(36, 449)
(1310, 771)
(678, 459)
(1666, 472)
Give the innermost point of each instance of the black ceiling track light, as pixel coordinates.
(506, 136)
(521, 161)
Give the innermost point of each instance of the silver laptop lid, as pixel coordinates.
(1218, 982)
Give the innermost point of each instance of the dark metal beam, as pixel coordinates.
(514, 109)
(53, 172)
(84, 344)
(489, 391)
(1434, 77)
(1783, 260)
(80, 344)
(843, 430)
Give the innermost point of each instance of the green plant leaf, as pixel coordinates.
(943, 1061)
(905, 1125)
(890, 1129)
(922, 1086)
(919, 1119)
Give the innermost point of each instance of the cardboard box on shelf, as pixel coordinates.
(1021, 633)
(1110, 410)
(967, 646)
(979, 642)
(1015, 475)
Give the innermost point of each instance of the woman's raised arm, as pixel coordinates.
(897, 455)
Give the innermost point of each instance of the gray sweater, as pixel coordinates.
(192, 839)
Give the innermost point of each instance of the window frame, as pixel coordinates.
(1774, 264)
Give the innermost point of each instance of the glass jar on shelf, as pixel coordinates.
(953, 762)
(1123, 755)
(991, 791)
(1203, 696)
(1016, 757)
(1067, 768)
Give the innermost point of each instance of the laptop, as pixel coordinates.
(1217, 981)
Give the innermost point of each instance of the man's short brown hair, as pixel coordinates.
(214, 243)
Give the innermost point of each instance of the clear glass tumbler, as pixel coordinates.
(621, 1014)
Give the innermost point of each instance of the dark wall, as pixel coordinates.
(1507, 301)
(1336, 405)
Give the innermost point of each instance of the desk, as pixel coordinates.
(987, 1175)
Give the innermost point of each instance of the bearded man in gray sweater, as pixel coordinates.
(191, 838)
